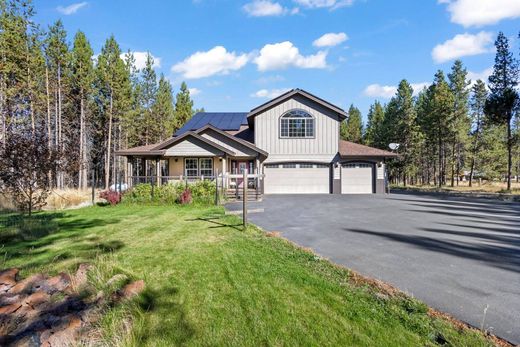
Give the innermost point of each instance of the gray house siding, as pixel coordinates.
(321, 148)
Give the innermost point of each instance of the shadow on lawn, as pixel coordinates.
(164, 303)
(217, 223)
(29, 239)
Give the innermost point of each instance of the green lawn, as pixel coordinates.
(211, 283)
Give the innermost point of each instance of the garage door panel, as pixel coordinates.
(296, 180)
(357, 178)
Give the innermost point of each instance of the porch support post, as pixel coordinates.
(158, 172)
(224, 171)
(257, 165)
(130, 171)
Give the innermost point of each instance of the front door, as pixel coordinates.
(238, 167)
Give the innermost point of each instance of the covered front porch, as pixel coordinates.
(229, 171)
(207, 154)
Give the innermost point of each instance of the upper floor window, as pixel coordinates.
(297, 124)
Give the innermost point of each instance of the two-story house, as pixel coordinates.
(291, 142)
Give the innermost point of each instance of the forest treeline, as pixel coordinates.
(83, 106)
(452, 129)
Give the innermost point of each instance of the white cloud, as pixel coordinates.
(386, 92)
(71, 9)
(481, 12)
(264, 8)
(216, 61)
(140, 59)
(379, 91)
(194, 91)
(462, 45)
(331, 4)
(330, 39)
(284, 54)
(482, 75)
(269, 93)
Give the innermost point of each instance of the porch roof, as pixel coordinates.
(159, 149)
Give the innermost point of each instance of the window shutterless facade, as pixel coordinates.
(297, 124)
(191, 166)
(206, 166)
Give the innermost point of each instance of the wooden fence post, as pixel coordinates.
(244, 200)
(93, 183)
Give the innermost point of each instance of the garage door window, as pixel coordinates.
(306, 166)
(356, 165)
(272, 166)
(289, 166)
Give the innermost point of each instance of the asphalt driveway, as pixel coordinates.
(459, 255)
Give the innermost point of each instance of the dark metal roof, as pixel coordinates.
(220, 120)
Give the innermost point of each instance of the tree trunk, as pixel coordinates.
(81, 172)
(509, 155)
(109, 144)
(471, 171)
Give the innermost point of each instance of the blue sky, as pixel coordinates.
(235, 55)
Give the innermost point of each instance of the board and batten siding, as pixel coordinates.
(192, 147)
(322, 148)
(238, 149)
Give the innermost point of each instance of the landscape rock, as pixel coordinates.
(132, 289)
(28, 285)
(7, 279)
(49, 311)
(80, 278)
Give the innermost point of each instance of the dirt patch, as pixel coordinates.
(52, 311)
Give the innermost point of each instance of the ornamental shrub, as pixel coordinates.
(112, 197)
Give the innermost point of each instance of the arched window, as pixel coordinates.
(296, 124)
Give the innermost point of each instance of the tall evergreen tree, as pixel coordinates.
(477, 103)
(56, 52)
(374, 131)
(352, 128)
(114, 90)
(407, 132)
(441, 118)
(82, 78)
(148, 92)
(461, 122)
(183, 107)
(163, 109)
(503, 100)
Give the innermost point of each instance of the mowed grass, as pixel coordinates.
(211, 283)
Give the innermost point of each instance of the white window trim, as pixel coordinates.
(199, 169)
(286, 116)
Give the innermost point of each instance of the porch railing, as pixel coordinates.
(233, 183)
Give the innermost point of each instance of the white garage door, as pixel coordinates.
(356, 178)
(296, 178)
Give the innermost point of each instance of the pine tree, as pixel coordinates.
(441, 120)
(406, 131)
(477, 103)
(461, 123)
(183, 107)
(163, 109)
(114, 93)
(352, 128)
(374, 132)
(82, 78)
(57, 51)
(503, 100)
(148, 92)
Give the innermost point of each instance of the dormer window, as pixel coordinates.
(297, 124)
